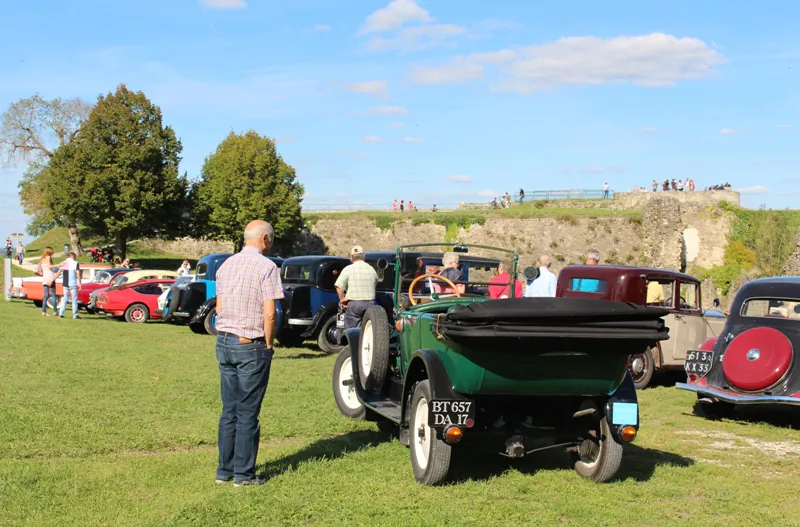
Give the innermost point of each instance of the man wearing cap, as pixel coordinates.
(356, 288)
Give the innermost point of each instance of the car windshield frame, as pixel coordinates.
(460, 249)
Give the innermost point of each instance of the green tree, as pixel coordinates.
(243, 180)
(119, 175)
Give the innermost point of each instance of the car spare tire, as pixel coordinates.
(373, 349)
(757, 359)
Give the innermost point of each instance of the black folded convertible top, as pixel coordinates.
(560, 318)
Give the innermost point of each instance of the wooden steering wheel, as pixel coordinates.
(429, 275)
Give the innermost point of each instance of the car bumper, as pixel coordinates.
(736, 398)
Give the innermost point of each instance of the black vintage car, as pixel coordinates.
(311, 305)
(752, 360)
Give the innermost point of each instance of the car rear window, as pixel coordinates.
(587, 285)
(788, 308)
(296, 273)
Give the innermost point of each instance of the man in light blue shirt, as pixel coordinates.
(545, 284)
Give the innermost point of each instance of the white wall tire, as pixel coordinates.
(344, 392)
(599, 458)
(430, 456)
(373, 349)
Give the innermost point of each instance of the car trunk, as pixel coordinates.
(540, 346)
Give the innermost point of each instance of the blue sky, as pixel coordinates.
(440, 101)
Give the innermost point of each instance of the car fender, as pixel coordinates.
(426, 364)
(625, 393)
(322, 314)
(203, 310)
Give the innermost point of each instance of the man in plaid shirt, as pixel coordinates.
(356, 288)
(248, 286)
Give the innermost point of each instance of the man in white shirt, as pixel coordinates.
(545, 284)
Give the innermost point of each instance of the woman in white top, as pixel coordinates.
(48, 279)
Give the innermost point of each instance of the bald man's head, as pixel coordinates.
(259, 234)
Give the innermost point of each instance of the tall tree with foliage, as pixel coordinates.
(119, 175)
(243, 180)
(32, 129)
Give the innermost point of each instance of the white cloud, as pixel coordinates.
(396, 14)
(376, 88)
(730, 131)
(784, 127)
(458, 179)
(649, 60)
(457, 71)
(487, 193)
(387, 110)
(755, 189)
(351, 154)
(395, 125)
(417, 37)
(224, 4)
(322, 28)
(371, 139)
(411, 180)
(411, 140)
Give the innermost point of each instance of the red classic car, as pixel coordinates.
(752, 360)
(136, 302)
(101, 280)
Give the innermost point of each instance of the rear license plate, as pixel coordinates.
(453, 412)
(698, 362)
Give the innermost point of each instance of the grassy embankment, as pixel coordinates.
(108, 423)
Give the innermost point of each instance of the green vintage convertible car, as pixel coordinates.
(465, 363)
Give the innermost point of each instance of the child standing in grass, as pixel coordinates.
(48, 279)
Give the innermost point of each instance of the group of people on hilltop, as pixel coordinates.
(410, 208)
(20, 251)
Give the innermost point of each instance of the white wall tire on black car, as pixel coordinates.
(430, 456)
(373, 349)
(344, 391)
(599, 457)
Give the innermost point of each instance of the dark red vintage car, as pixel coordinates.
(136, 302)
(752, 360)
(678, 292)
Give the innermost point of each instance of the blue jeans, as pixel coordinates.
(244, 374)
(49, 292)
(355, 312)
(70, 293)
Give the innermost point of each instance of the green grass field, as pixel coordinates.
(108, 423)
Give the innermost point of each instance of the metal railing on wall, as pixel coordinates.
(349, 207)
(533, 195)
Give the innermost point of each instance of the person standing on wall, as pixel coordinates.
(356, 288)
(248, 286)
(70, 272)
